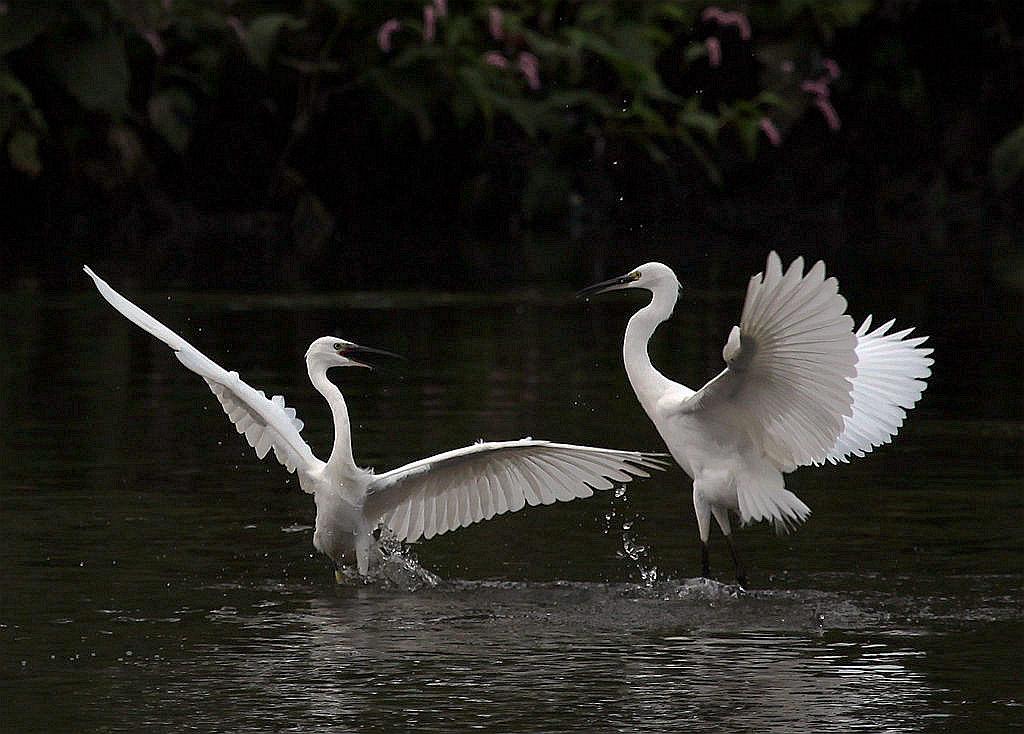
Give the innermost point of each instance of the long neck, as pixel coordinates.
(647, 382)
(341, 463)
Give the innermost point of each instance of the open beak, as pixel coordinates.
(613, 284)
(367, 356)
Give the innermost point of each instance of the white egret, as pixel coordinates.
(800, 387)
(422, 499)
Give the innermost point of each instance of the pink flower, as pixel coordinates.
(771, 132)
(831, 117)
(530, 67)
(741, 22)
(385, 33)
(714, 47)
(832, 68)
(494, 22)
(442, 8)
(152, 37)
(237, 25)
(737, 19)
(429, 23)
(817, 88)
(494, 58)
(713, 13)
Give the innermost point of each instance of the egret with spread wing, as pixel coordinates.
(422, 499)
(800, 387)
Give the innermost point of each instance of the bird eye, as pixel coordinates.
(635, 275)
(338, 346)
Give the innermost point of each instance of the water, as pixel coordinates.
(157, 577)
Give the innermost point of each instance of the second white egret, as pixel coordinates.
(422, 499)
(800, 387)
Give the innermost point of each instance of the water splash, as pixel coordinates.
(393, 565)
(638, 552)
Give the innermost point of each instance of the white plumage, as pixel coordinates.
(422, 499)
(800, 387)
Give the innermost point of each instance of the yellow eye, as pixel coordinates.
(635, 275)
(338, 346)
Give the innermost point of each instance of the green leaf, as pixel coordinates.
(562, 99)
(24, 21)
(343, 8)
(693, 117)
(262, 33)
(476, 88)
(406, 97)
(23, 150)
(6, 116)
(171, 112)
(523, 112)
(1007, 161)
(748, 130)
(95, 72)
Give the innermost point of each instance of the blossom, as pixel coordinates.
(152, 37)
(714, 47)
(494, 22)
(736, 19)
(385, 33)
(429, 23)
(237, 26)
(831, 116)
(530, 66)
(771, 132)
(817, 88)
(494, 58)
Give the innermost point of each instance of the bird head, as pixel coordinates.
(331, 351)
(651, 277)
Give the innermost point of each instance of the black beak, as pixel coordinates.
(605, 285)
(366, 356)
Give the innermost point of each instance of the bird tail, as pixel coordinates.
(762, 495)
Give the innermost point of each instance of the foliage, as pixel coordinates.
(149, 68)
(541, 112)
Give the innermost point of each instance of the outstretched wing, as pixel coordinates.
(791, 362)
(266, 422)
(461, 487)
(891, 372)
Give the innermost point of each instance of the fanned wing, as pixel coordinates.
(461, 487)
(790, 362)
(266, 422)
(891, 372)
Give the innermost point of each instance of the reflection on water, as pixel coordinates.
(158, 578)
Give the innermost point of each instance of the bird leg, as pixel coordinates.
(705, 567)
(741, 574)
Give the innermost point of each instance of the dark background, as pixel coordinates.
(275, 146)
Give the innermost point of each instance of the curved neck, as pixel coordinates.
(647, 382)
(341, 462)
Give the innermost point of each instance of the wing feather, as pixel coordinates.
(790, 366)
(891, 374)
(266, 422)
(486, 479)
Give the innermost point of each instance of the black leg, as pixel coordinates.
(741, 575)
(705, 567)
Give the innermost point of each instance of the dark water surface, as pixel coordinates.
(157, 577)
